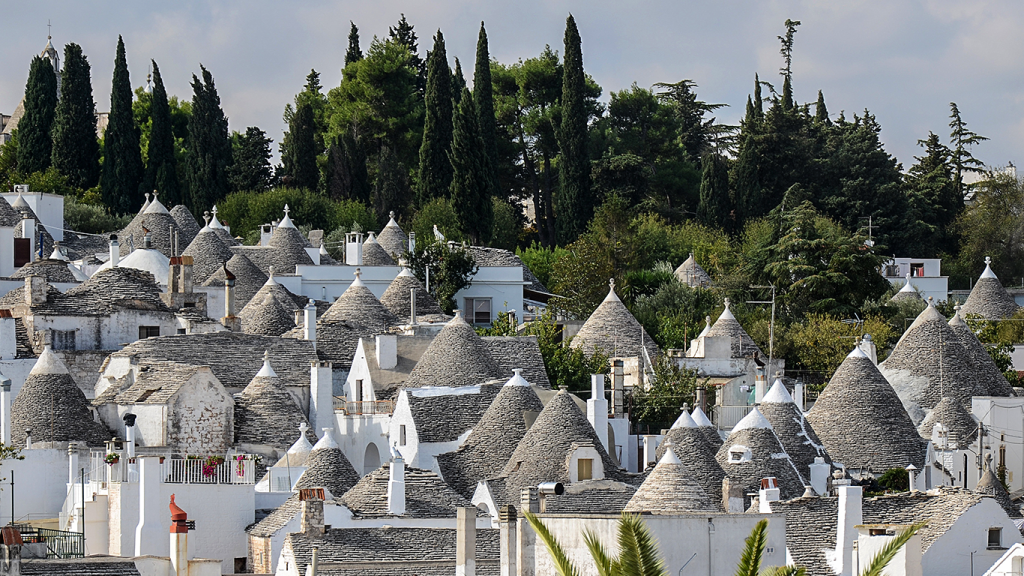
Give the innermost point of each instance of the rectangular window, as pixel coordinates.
(181, 331)
(585, 469)
(917, 269)
(401, 435)
(357, 391)
(995, 537)
(63, 339)
(148, 332)
(478, 310)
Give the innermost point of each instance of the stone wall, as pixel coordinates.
(84, 366)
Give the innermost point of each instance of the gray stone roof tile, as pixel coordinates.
(743, 345)
(393, 240)
(519, 352)
(105, 292)
(794, 431)
(698, 456)
(9, 217)
(671, 488)
(989, 485)
(51, 270)
(327, 467)
(187, 225)
(54, 407)
(161, 227)
(374, 254)
(591, 497)
(266, 413)
(989, 299)
(248, 279)
(156, 383)
(962, 427)
(767, 458)
(359, 306)
(985, 370)
(691, 274)
(613, 330)
(456, 357)
(209, 253)
(396, 297)
(426, 495)
(488, 257)
(443, 415)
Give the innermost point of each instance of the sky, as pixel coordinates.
(904, 61)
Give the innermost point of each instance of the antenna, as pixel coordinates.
(48, 30)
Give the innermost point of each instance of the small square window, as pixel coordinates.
(63, 339)
(585, 469)
(917, 269)
(478, 310)
(148, 332)
(995, 537)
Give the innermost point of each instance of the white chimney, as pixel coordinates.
(412, 242)
(597, 409)
(396, 487)
(309, 322)
(650, 450)
(115, 251)
(768, 493)
(465, 542)
(850, 516)
(73, 463)
(819, 475)
(354, 248)
(5, 410)
(179, 540)
(151, 525)
(412, 306)
(129, 434)
(321, 395)
(387, 351)
(867, 345)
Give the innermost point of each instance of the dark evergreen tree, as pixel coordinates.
(404, 34)
(934, 198)
(300, 151)
(161, 164)
(787, 71)
(250, 169)
(470, 188)
(391, 192)
(575, 202)
(122, 156)
(820, 111)
(76, 152)
(435, 173)
(34, 144)
(209, 147)
(354, 53)
(758, 102)
(347, 178)
(458, 82)
(961, 140)
(483, 97)
(714, 191)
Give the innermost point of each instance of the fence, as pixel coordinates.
(59, 543)
(365, 407)
(204, 471)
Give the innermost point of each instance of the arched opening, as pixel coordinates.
(371, 458)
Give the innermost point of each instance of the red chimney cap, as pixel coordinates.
(177, 514)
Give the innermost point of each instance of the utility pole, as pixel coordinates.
(771, 326)
(871, 227)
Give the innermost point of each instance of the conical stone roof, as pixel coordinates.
(456, 357)
(289, 247)
(987, 375)
(671, 488)
(543, 453)
(51, 270)
(613, 330)
(9, 217)
(53, 407)
(743, 345)
(160, 224)
(358, 305)
(392, 239)
(989, 485)
(396, 297)
(792, 428)
(249, 279)
(698, 456)
(861, 421)
(267, 316)
(187, 224)
(929, 362)
(753, 452)
(209, 253)
(691, 274)
(266, 413)
(908, 292)
(221, 229)
(493, 440)
(24, 210)
(327, 467)
(707, 428)
(988, 298)
(374, 254)
(961, 426)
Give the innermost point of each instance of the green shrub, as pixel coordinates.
(91, 219)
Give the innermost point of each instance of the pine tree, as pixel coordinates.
(575, 202)
(76, 152)
(347, 178)
(483, 97)
(404, 34)
(354, 53)
(961, 140)
(820, 111)
(34, 144)
(161, 165)
(934, 197)
(714, 191)
(787, 71)
(209, 147)
(250, 169)
(299, 155)
(470, 188)
(435, 174)
(122, 156)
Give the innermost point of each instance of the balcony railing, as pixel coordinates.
(202, 471)
(365, 407)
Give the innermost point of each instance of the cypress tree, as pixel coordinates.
(209, 148)
(575, 203)
(470, 188)
(299, 155)
(787, 55)
(250, 168)
(458, 83)
(76, 152)
(122, 158)
(34, 144)
(758, 103)
(391, 190)
(820, 111)
(714, 191)
(161, 165)
(961, 140)
(353, 54)
(347, 178)
(483, 97)
(435, 174)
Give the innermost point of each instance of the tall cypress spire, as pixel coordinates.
(575, 203)
(714, 191)
(209, 147)
(161, 165)
(820, 111)
(470, 189)
(122, 158)
(483, 97)
(34, 144)
(435, 174)
(758, 103)
(76, 151)
(354, 53)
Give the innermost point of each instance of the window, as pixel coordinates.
(917, 269)
(148, 332)
(357, 391)
(478, 310)
(995, 537)
(63, 339)
(401, 435)
(181, 331)
(585, 469)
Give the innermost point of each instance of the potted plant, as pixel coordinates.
(112, 458)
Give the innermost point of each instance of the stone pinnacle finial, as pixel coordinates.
(206, 216)
(286, 209)
(359, 273)
(611, 284)
(214, 210)
(266, 355)
(271, 270)
(931, 301)
(726, 303)
(147, 196)
(988, 261)
(391, 214)
(302, 428)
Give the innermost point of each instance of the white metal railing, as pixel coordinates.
(235, 469)
(68, 509)
(726, 417)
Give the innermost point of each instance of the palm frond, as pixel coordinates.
(888, 552)
(638, 551)
(562, 562)
(785, 571)
(753, 552)
(606, 566)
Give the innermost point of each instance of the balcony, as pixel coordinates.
(363, 408)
